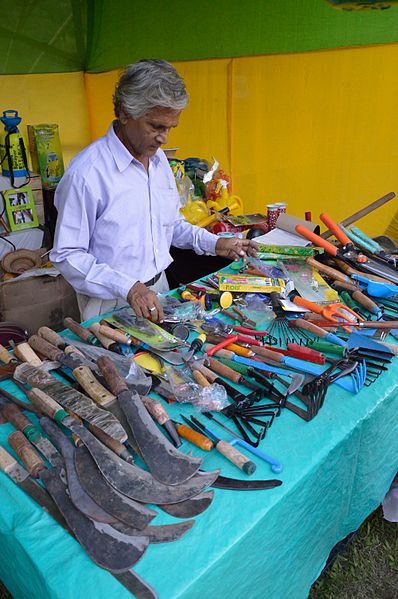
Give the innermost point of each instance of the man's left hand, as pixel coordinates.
(234, 248)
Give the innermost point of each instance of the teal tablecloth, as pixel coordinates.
(337, 469)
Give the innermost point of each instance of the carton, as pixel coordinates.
(46, 153)
(38, 301)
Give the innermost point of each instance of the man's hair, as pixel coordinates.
(149, 84)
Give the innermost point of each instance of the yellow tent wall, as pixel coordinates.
(318, 130)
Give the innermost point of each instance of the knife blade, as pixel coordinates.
(166, 463)
(105, 546)
(130, 580)
(122, 506)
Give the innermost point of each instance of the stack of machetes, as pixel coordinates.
(101, 496)
(99, 490)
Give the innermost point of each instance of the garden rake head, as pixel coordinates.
(279, 331)
(317, 388)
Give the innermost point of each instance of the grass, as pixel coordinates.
(367, 569)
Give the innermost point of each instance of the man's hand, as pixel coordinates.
(145, 302)
(234, 248)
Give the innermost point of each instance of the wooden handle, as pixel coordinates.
(365, 301)
(77, 328)
(327, 270)
(71, 349)
(5, 355)
(316, 239)
(25, 353)
(7, 462)
(92, 386)
(221, 353)
(208, 374)
(340, 285)
(156, 409)
(45, 403)
(194, 437)
(17, 418)
(310, 327)
(116, 446)
(29, 456)
(268, 353)
(116, 382)
(105, 341)
(236, 457)
(200, 378)
(349, 270)
(114, 334)
(224, 370)
(45, 348)
(51, 336)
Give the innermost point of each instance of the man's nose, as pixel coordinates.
(162, 136)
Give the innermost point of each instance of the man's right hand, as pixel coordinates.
(145, 302)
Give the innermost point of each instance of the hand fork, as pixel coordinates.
(333, 312)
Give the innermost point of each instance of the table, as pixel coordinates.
(274, 543)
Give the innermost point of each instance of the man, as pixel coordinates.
(118, 205)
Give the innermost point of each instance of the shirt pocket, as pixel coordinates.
(168, 207)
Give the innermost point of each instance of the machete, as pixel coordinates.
(138, 518)
(130, 580)
(125, 478)
(106, 547)
(94, 511)
(234, 484)
(114, 502)
(17, 418)
(72, 400)
(166, 463)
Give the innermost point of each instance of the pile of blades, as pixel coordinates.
(98, 493)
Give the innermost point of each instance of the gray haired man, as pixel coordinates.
(118, 206)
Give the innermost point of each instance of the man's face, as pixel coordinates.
(144, 136)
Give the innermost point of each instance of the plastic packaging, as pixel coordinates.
(186, 390)
(131, 372)
(178, 311)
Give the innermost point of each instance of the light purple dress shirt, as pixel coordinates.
(116, 221)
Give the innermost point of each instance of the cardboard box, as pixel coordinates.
(46, 153)
(38, 301)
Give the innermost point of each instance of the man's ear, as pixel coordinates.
(123, 118)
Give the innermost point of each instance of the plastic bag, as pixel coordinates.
(133, 374)
(186, 390)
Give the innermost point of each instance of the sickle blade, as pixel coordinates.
(113, 554)
(191, 507)
(168, 465)
(79, 496)
(123, 508)
(165, 533)
(135, 482)
(234, 484)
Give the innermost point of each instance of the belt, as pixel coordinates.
(154, 280)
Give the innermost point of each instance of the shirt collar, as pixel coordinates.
(120, 153)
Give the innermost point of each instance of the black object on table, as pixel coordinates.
(188, 266)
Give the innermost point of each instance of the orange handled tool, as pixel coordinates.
(332, 312)
(193, 437)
